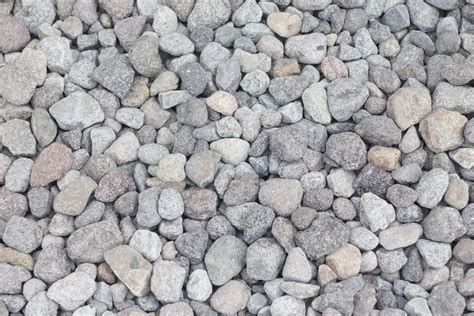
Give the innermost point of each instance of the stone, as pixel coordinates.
(345, 261)
(444, 298)
(124, 149)
(442, 130)
(379, 130)
(73, 199)
(252, 218)
(225, 259)
(315, 102)
(35, 14)
(443, 224)
(193, 245)
(464, 250)
(284, 24)
(347, 149)
(17, 137)
(52, 264)
(13, 277)
(287, 304)
(19, 78)
(432, 187)
(144, 55)
(51, 164)
(199, 287)
(130, 117)
(72, 291)
(170, 204)
(167, 280)
(40, 303)
(453, 98)
(325, 235)
(113, 184)
(88, 243)
(231, 297)
(118, 9)
(408, 106)
(308, 49)
(363, 238)
(200, 204)
(386, 158)
(222, 102)
(116, 75)
(248, 12)
(12, 204)
(171, 168)
(78, 110)
(201, 167)
(345, 97)
(282, 195)
(436, 254)
(211, 13)
(255, 82)
(58, 54)
(297, 267)
(17, 177)
(16, 34)
(391, 261)
(165, 20)
(232, 150)
(22, 234)
(176, 44)
(375, 213)
(43, 126)
(400, 236)
(130, 267)
(333, 68)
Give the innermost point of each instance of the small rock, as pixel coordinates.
(308, 49)
(315, 103)
(16, 34)
(432, 187)
(78, 110)
(282, 195)
(130, 267)
(284, 24)
(345, 261)
(285, 305)
(222, 102)
(342, 104)
(116, 75)
(124, 149)
(436, 254)
(72, 291)
(375, 213)
(73, 199)
(23, 234)
(408, 106)
(17, 137)
(231, 297)
(464, 250)
(225, 259)
(444, 298)
(297, 267)
(347, 149)
(167, 280)
(400, 236)
(443, 224)
(232, 150)
(171, 168)
(12, 278)
(442, 130)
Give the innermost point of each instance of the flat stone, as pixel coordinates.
(442, 130)
(72, 291)
(225, 259)
(17, 137)
(325, 235)
(231, 297)
(167, 280)
(130, 267)
(282, 195)
(78, 110)
(408, 106)
(400, 236)
(88, 243)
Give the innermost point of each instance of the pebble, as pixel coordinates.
(432, 187)
(287, 304)
(116, 75)
(17, 137)
(330, 233)
(88, 243)
(341, 104)
(22, 234)
(171, 168)
(282, 195)
(442, 130)
(167, 280)
(347, 149)
(231, 297)
(78, 110)
(297, 267)
(375, 213)
(232, 150)
(443, 224)
(463, 250)
(345, 261)
(308, 49)
(198, 286)
(225, 259)
(400, 236)
(435, 254)
(72, 291)
(130, 267)
(73, 199)
(284, 24)
(16, 34)
(315, 102)
(222, 102)
(413, 100)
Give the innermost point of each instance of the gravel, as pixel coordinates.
(204, 157)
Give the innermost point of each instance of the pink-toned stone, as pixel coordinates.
(51, 164)
(333, 68)
(13, 34)
(345, 261)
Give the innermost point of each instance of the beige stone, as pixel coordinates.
(345, 261)
(408, 106)
(16, 258)
(155, 182)
(325, 275)
(442, 130)
(464, 250)
(73, 199)
(171, 168)
(285, 67)
(333, 68)
(138, 93)
(457, 194)
(231, 297)
(222, 102)
(384, 157)
(131, 268)
(284, 24)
